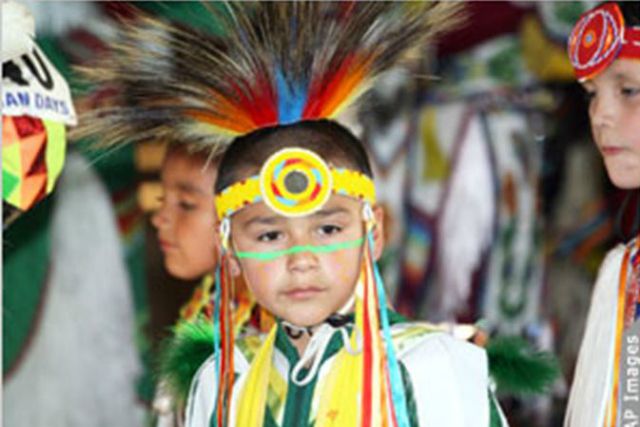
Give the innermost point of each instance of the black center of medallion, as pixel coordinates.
(296, 182)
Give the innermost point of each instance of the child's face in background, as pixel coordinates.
(186, 222)
(614, 111)
(303, 288)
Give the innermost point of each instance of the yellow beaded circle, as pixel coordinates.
(295, 182)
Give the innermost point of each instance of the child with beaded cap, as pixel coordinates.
(604, 49)
(300, 224)
(295, 200)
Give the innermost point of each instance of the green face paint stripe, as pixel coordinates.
(268, 256)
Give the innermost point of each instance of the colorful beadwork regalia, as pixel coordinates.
(279, 64)
(600, 382)
(36, 107)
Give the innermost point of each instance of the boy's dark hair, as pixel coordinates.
(196, 152)
(631, 12)
(331, 141)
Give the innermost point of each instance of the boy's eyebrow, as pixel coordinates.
(625, 75)
(187, 187)
(331, 211)
(274, 219)
(263, 220)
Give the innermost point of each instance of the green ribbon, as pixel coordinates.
(320, 249)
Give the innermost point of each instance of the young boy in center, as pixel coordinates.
(298, 220)
(300, 225)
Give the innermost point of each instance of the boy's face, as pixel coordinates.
(304, 288)
(614, 110)
(186, 221)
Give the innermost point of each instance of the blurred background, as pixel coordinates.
(498, 210)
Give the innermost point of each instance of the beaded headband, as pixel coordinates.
(294, 182)
(599, 38)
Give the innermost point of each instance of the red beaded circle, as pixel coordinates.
(596, 40)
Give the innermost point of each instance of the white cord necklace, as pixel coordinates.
(320, 338)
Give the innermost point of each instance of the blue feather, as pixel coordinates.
(291, 100)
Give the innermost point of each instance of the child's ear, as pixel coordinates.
(378, 232)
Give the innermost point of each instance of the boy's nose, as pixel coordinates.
(302, 261)
(602, 111)
(159, 218)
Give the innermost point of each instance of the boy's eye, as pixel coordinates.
(269, 236)
(329, 229)
(630, 91)
(187, 206)
(589, 95)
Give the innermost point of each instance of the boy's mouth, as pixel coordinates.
(165, 245)
(302, 293)
(611, 150)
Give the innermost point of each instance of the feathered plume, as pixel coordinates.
(519, 369)
(277, 63)
(182, 355)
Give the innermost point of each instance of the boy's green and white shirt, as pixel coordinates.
(446, 381)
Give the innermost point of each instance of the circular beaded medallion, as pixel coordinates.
(596, 40)
(295, 182)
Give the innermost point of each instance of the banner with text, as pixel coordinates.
(32, 86)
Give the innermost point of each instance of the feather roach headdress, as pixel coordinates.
(275, 63)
